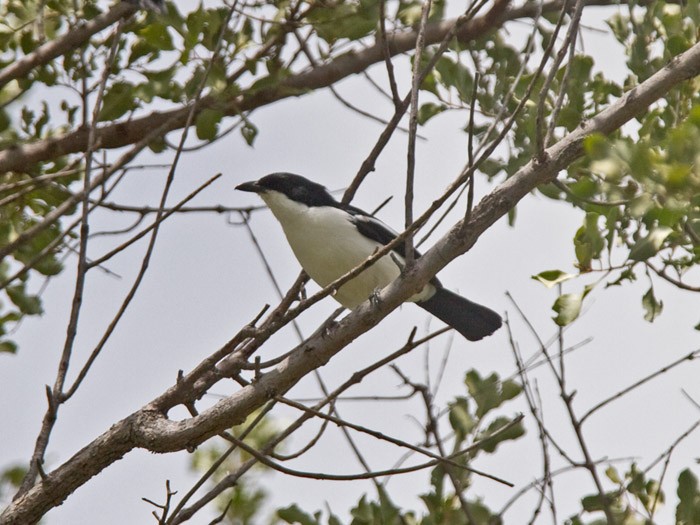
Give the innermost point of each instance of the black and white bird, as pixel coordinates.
(330, 238)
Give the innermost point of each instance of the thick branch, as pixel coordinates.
(71, 40)
(153, 431)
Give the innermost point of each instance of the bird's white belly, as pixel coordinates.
(328, 246)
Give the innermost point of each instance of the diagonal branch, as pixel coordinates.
(71, 40)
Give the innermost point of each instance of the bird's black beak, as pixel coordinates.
(250, 186)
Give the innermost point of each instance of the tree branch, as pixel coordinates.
(65, 43)
(119, 134)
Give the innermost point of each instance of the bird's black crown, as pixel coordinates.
(297, 188)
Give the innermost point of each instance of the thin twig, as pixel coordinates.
(57, 397)
(540, 140)
(387, 55)
(160, 215)
(412, 127)
(688, 357)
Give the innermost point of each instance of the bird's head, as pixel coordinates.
(294, 187)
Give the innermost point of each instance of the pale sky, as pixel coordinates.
(205, 281)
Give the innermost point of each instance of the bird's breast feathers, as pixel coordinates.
(328, 245)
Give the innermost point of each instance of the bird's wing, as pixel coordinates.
(374, 229)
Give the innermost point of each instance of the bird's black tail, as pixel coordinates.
(472, 320)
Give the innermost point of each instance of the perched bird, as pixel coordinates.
(330, 238)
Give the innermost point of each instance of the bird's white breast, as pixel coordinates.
(328, 245)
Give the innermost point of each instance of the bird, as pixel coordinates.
(330, 238)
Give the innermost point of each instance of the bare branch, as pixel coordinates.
(412, 127)
(689, 357)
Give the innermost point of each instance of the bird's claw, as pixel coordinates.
(374, 298)
(328, 328)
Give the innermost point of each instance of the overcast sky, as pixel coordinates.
(206, 280)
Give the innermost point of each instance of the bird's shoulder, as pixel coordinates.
(372, 228)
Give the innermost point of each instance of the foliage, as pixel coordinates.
(640, 188)
(472, 431)
(243, 502)
(10, 480)
(688, 509)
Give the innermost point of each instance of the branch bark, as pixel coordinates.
(71, 40)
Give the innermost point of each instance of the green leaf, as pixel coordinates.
(640, 205)
(4, 119)
(676, 44)
(617, 23)
(510, 390)
(48, 265)
(140, 48)
(428, 111)
(351, 20)
(688, 509)
(161, 84)
(14, 475)
(652, 306)
(461, 420)
(410, 13)
(481, 513)
(491, 167)
(568, 307)
(455, 74)
(9, 347)
(207, 123)
(362, 513)
(157, 35)
(588, 242)
(650, 245)
(119, 99)
(249, 132)
(28, 304)
(388, 512)
(612, 474)
(437, 480)
(489, 393)
(592, 503)
(27, 42)
(294, 514)
(551, 278)
(586, 187)
(490, 444)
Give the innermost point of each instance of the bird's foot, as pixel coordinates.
(328, 328)
(374, 298)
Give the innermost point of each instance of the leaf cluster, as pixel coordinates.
(472, 420)
(639, 496)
